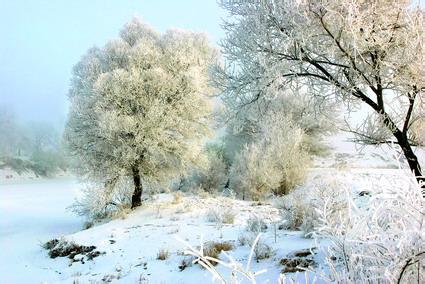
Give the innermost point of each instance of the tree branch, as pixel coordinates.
(412, 98)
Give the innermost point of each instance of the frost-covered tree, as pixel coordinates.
(367, 53)
(140, 106)
(299, 109)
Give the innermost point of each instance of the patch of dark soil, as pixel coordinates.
(75, 252)
(298, 261)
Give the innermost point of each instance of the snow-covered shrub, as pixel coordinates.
(298, 261)
(274, 163)
(213, 175)
(210, 252)
(98, 202)
(299, 207)
(213, 215)
(263, 251)
(381, 241)
(246, 174)
(228, 216)
(213, 249)
(244, 239)
(256, 224)
(294, 209)
(221, 214)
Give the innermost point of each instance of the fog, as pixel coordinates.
(42, 40)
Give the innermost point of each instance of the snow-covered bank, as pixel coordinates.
(10, 176)
(31, 213)
(131, 245)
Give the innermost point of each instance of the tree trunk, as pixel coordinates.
(136, 199)
(411, 158)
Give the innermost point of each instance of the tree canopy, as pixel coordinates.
(140, 106)
(360, 52)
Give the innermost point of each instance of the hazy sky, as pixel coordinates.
(41, 40)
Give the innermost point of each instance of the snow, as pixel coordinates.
(148, 230)
(31, 213)
(34, 212)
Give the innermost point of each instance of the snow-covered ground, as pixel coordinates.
(131, 245)
(33, 213)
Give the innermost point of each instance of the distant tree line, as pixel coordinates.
(30, 146)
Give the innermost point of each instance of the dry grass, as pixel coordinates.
(177, 197)
(213, 249)
(122, 212)
(222, 246)
(163, 254)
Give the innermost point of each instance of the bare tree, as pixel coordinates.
(361, 52)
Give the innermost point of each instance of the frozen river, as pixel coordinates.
(30, 214)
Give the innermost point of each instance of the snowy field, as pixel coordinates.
(34, 212)
(31, 213)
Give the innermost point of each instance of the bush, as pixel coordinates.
(221, 214)
(300, 207)
(228, 216)
(99, 201)
(263, 251)
(298, 261)
(256, 224)
(214, 176)
(275, 163)
(245, 239)
(299, 107)
(382, 241)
